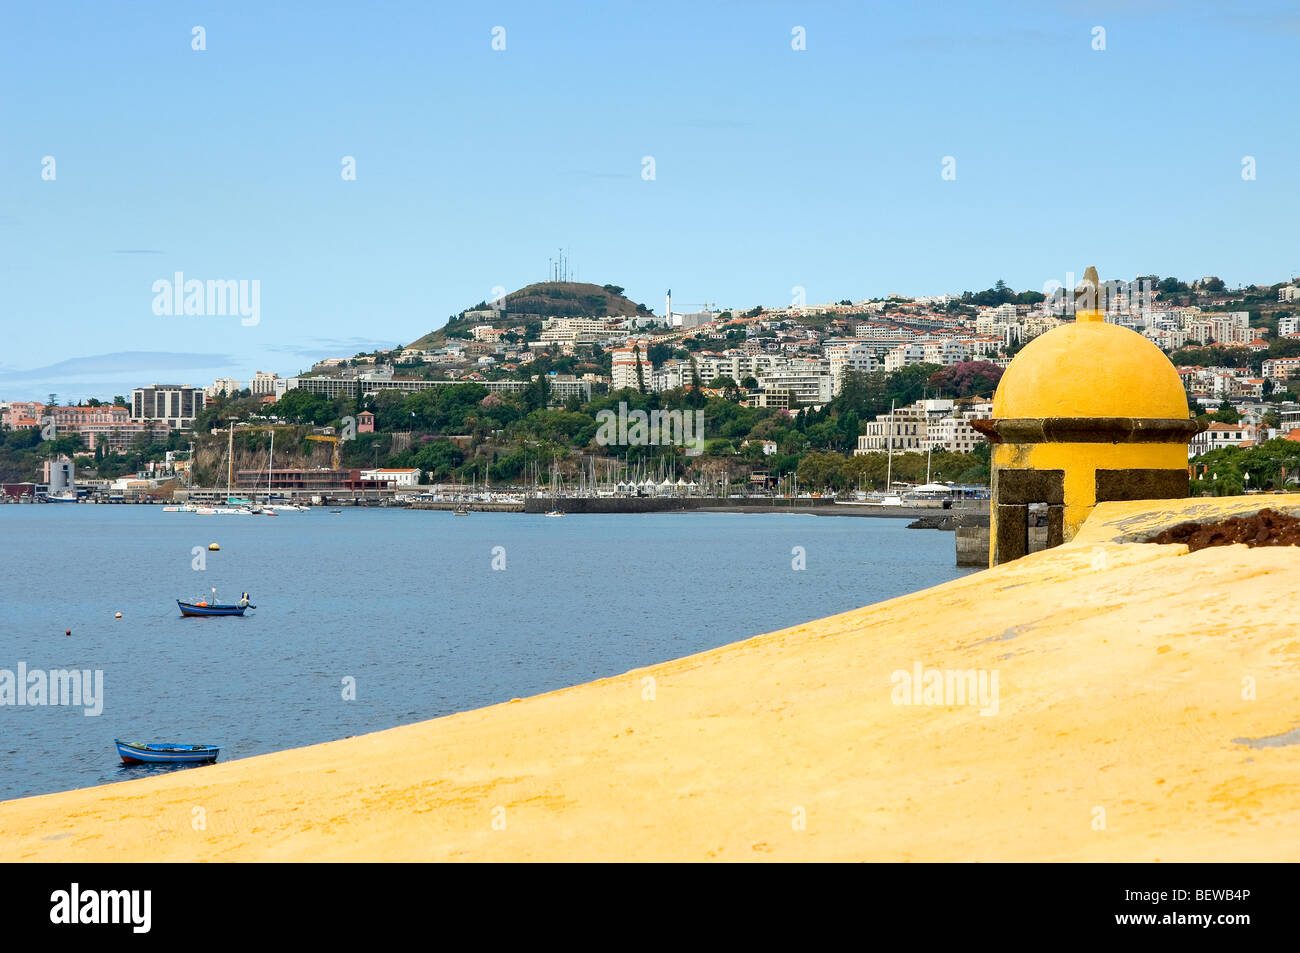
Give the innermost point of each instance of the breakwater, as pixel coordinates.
(698, 504)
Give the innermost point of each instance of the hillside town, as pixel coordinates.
(899, 375)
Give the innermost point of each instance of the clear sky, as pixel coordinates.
(775, 168)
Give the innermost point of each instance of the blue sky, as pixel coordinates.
(774, 168)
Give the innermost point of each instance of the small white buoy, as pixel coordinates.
(117, 615)
(214, 547)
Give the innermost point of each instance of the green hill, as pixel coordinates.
(546, 299)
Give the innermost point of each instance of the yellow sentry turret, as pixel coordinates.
(1086, 413)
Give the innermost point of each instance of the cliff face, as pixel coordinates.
(251, 453)
(1125, 701)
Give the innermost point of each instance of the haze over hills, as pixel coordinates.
(544, 299)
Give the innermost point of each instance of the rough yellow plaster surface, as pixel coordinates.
(1121, 672)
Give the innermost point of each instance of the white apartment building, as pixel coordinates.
(1288, 293)
(1199, 332)
(671, 375)
(954, 434)
(804, 387)
(945, 352)
(848, 356)
(883, 332)
(624, 363)
(936, 424)
(979, 346)
(263, 383)
(1231, 327)
(738, 365)
(222, 386)
(879, 345)
(1170, 339)
(574, 331)
(903, 356)
(1289, 324)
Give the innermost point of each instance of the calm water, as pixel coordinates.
(407, 603)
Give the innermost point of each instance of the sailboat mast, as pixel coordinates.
(889, 466)
(230, 461)
(270, 463)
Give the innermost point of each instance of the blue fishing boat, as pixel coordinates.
(166, 753)
(205, 608)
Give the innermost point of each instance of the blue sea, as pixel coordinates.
(405, 604)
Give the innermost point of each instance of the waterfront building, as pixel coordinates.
(392, 477)
(59, 474)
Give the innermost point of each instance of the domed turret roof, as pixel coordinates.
(1090, 369)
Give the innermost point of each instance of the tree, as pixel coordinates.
(640, 371)
(967, 379)
(822, 470)
(656, 354)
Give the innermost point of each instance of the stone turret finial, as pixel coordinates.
(1087, 301)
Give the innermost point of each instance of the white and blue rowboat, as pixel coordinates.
(167, 753)
(192, 609)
